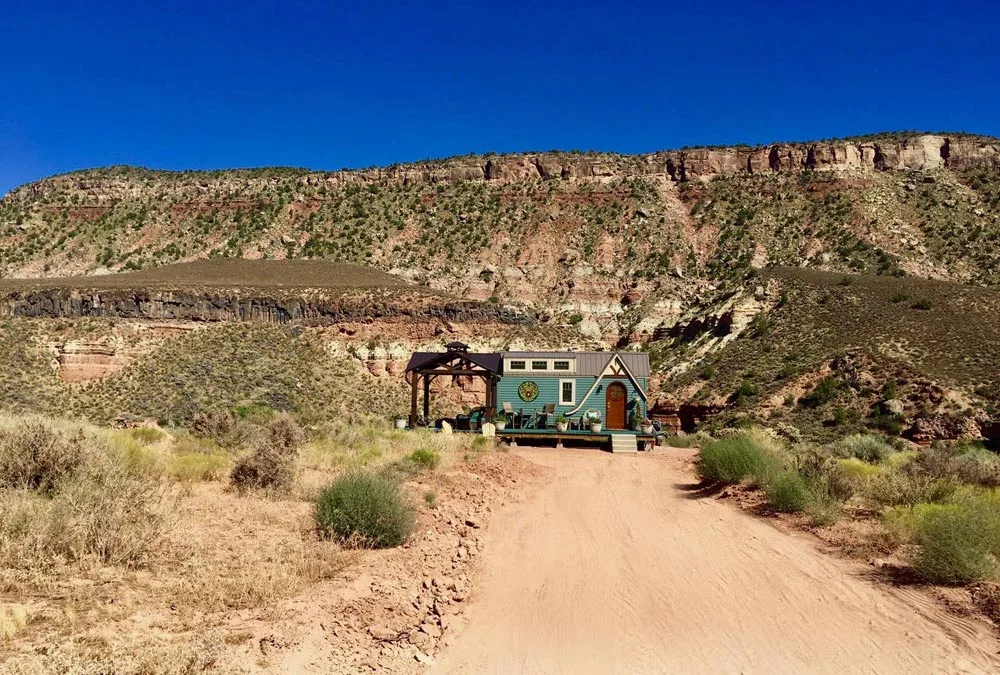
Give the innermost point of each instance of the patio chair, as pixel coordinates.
(540, 418)
(512, 417)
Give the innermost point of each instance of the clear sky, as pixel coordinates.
(214, 84)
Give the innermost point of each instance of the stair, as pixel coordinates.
(623, 443)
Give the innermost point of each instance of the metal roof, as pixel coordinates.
(592, 363)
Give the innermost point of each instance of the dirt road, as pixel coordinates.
(612, 567)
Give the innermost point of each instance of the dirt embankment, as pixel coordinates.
(615, 567)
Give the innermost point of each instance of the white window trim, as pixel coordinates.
(545, 369)
(572, 383)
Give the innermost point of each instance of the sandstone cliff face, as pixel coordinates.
(920, 152)
(212, 306)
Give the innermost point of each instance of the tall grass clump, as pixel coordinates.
(365, 510)
(750, 453)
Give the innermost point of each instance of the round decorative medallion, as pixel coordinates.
(528, 391)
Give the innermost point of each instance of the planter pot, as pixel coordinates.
(500, 425)
(400, 422)
(596, 427)
(561, 426)
(647, 430)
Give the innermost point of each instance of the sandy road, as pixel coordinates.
(612, 567)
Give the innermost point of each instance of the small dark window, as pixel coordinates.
(517, 365)
(568, 395)
(560, 365)
(539, 365)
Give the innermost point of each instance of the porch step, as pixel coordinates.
(623, 443)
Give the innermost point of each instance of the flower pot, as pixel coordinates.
(596, 427)
(500, 425)
(647, 429)
(561, 426)
(400, 422)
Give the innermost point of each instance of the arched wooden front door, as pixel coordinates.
(615, 401)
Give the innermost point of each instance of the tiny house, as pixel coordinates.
(567, 383)
(614, 383)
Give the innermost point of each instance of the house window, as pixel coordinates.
(539, 365)
(517, 365)
(560, 365)
(567, 392)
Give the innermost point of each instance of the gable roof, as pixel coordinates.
(487, 361)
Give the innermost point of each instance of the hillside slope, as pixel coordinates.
(621, 243)
(690, 254)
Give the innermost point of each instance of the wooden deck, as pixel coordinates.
(602, 439)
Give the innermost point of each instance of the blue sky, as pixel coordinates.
(337, 84)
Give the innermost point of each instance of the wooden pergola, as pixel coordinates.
(458, 361)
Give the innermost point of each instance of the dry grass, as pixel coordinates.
(148, 582)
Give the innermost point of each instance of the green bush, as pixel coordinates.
(787, 492)
(686, 441)
(146, 435)
(364, 509)
(824, 392)
(746, 454)
(865, 447)
(958, 542)
(35, 456)
(425, 458)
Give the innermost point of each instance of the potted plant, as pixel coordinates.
(647, 426)
(594, 418)
(500, 421)
(562, 423)
(400, 421)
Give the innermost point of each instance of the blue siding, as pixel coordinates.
(548, 392)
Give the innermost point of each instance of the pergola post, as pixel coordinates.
(427, 397)
(413, 400)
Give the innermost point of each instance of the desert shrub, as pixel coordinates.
(858, 470)
(824, 392)
(196, 459)
(35, 456)
(744, 454)
(146, 435)
(898, 488)
(823, 509)
(105, 510)
(267, 467)
(958, 543)
(213, 424)
(898, 460)
(364, 509)
(976, 465)
(284, 432)
(887, 422)
(259, 414)
(787, 492)
(425, 458)
(686, 441)
(864, 447)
